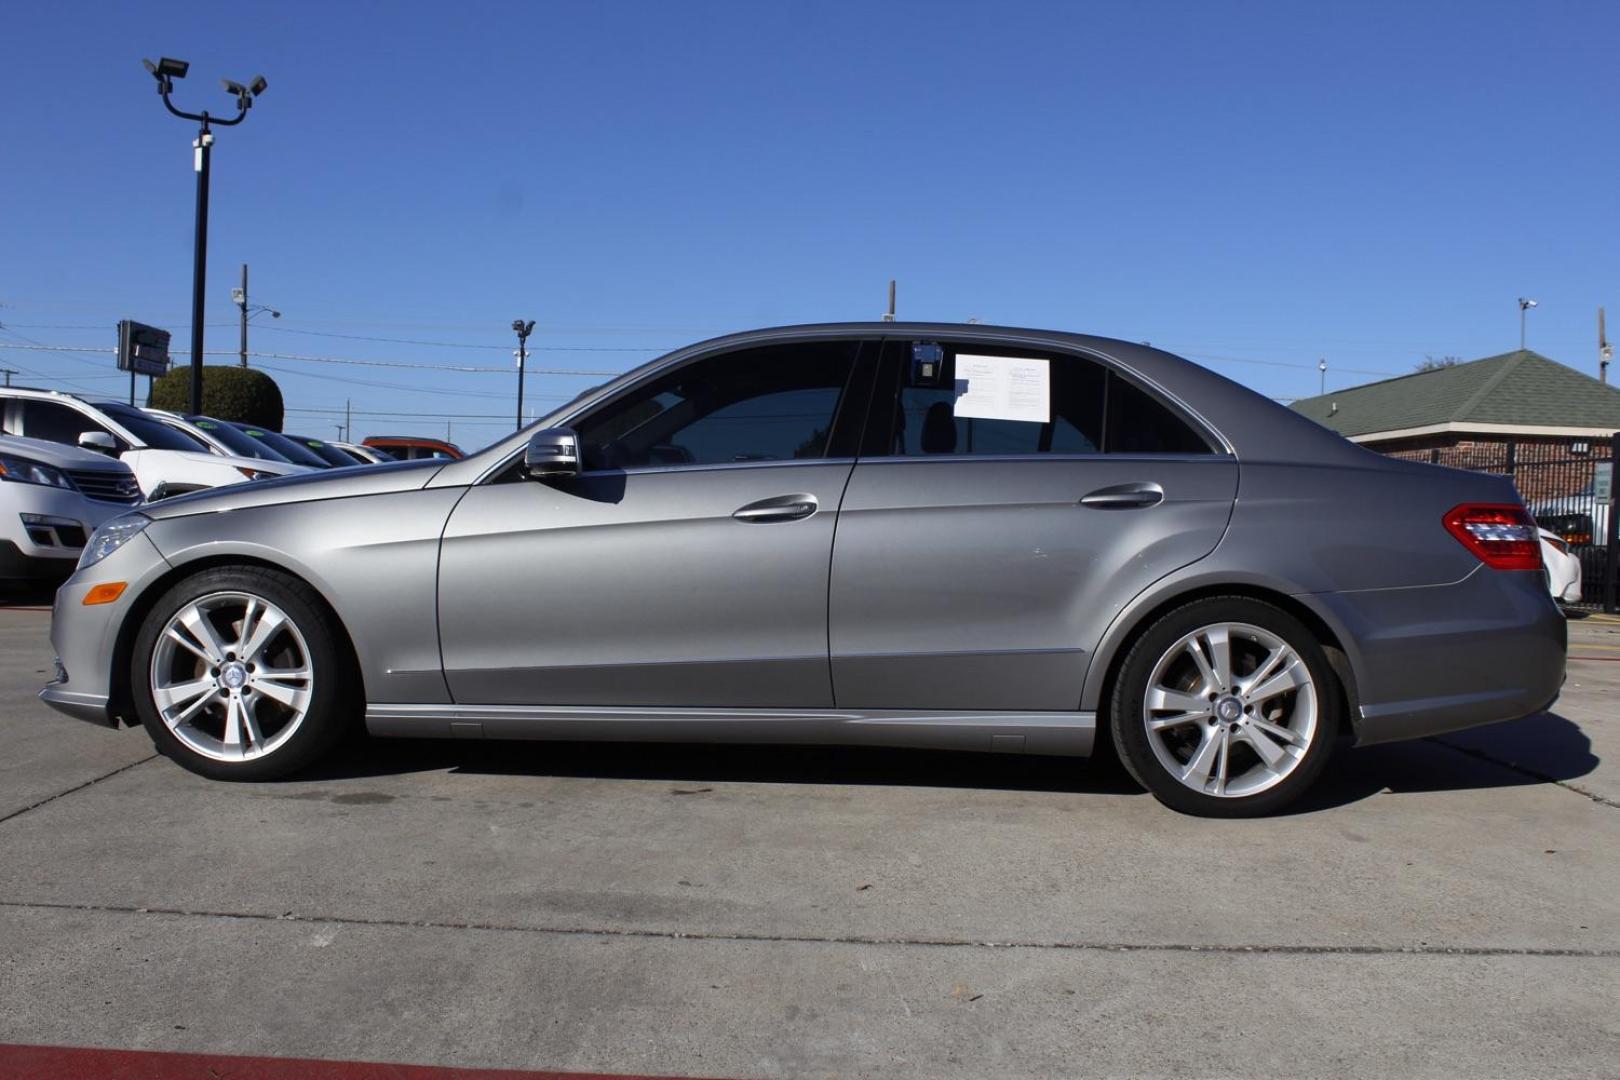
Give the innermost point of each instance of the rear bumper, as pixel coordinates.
(1439, 658)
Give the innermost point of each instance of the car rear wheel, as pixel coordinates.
(237, 675)
(1226, 707)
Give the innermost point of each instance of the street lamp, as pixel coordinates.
(523, 330)
(1524, 306)
(239, 297)
(1321, 366)
(165, 71)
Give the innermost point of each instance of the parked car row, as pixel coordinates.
(67, 463)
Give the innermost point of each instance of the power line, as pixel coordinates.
(464, 368)
(468, 345)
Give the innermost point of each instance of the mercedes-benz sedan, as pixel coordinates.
(889, 534)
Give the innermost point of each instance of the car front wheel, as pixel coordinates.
(237, 675)
(1226, 707)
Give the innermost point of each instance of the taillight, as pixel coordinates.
(1502, 535)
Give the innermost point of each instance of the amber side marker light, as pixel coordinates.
(106, 592)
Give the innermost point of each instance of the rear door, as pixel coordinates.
(1005, 507)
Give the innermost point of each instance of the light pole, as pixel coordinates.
(240, 298)
(165, 71)
(1321, 366)
(1524, 306)
(523, 329)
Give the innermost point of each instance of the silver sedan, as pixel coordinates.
(891, 534)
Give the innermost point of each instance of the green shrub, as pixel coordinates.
(229, 392)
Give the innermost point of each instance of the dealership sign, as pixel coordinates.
(142, 349)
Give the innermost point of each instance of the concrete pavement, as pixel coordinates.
(1442, 908)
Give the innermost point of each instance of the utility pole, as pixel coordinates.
(1605, 350)
(165, 71)
(888, 316)
(241, 302)
(239, 296)
(523, 329)
(348, 422)
(8, 373)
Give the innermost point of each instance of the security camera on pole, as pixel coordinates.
(1525, 304)
(165, 71)
(523, 330)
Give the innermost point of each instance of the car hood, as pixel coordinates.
(302, 487)
(59, 455)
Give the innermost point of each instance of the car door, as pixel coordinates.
(1002, 511)
(685, 566)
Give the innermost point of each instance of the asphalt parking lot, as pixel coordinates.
(1449, 907)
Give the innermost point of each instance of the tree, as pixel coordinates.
(1432, 363)
(229, 392)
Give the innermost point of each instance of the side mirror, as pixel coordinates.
(552, 454)
(99, 441)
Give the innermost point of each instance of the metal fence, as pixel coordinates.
(1568, 484)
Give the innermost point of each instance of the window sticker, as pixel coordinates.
(1004, 388)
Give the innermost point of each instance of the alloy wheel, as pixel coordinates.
(1230, 709)
(231, 676)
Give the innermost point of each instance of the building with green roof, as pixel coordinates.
(1520, 393)
(1546, 425)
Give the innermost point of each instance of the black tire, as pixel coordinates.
(331, 710)
(1131, 737)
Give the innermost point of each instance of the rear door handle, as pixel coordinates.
(779, 508)
(1137, 495)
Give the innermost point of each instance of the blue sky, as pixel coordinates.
(1253, 185)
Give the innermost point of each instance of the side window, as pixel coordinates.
(57, 423)
(929, 418)
(1088, 409)
(776, 403)
(1137, 424)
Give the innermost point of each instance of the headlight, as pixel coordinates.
(25, 471)
(112, 536)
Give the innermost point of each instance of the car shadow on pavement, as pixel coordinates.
(26, 596)
(1539, 749)
(1536, 750)
(725, 763)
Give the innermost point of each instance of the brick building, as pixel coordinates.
(1521, 414)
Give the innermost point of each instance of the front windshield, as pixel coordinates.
(236, 440)
(150, 430)
(331, 454)
(288, 449)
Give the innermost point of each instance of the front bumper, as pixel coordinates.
(86, 636)
(1435, 659)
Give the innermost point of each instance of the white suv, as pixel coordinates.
(52, 497)
(165, 461)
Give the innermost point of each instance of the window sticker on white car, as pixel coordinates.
(1004, 388)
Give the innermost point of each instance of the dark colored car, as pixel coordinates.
(334, 456)
(290, 449)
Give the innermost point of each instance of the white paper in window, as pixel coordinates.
(1004, 388)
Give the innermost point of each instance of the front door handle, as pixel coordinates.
(1137, 495)
(779, 508)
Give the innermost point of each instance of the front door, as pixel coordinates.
(686, 565)
(1004, 509)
